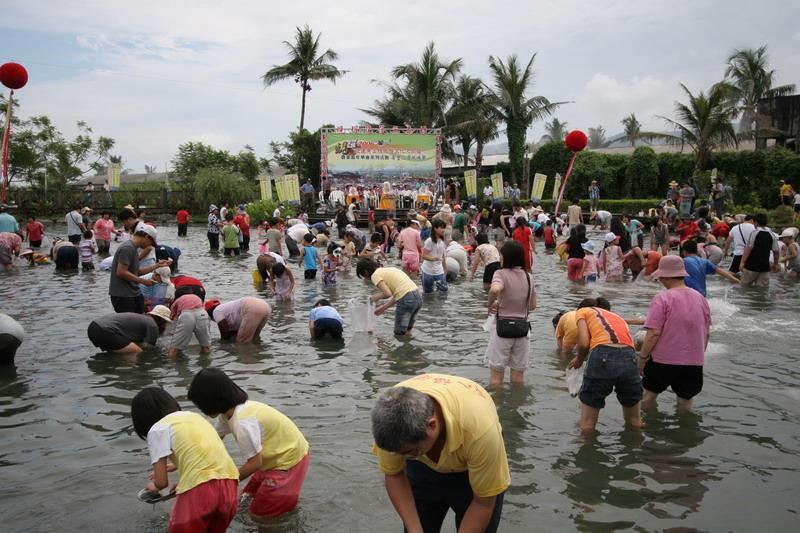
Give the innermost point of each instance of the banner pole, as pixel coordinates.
(564, 183)
(6, 136)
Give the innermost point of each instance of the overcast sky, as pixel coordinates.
(154, 74)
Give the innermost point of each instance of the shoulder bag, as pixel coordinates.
(515, 328)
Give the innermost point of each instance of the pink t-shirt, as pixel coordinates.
(589, 264)
(684, 318)
(514, 296)
(410, 240)
(185, 303)
(103, 228)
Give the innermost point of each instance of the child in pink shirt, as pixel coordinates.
(589, 272)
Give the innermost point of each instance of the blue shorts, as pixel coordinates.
(611, 369)
(429, 281)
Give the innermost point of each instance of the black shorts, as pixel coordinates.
(197, 290)
(310, 274)
(233, 251)
(686, 380)
(735, 264)
(128, 304)
(329, 326)
(489, 270)
(67, 258)
(87, 266)
(796, 210)
(38, 244)
(105, 340)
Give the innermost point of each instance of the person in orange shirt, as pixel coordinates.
(604, 337)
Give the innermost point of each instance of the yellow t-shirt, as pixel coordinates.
(259, 428)
(474, 441)
(193, 446)
(397, 281)
(567, 330)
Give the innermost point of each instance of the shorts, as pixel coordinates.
(210, 506)
(329, 326)
(431, 281)
(686, 380)
(489, 270)
(105, 340)
(74, 239)
(608, 369)
(67, 258)
(505, 353)
(6, 257)
(88, 265)
(406, 312)
(276, 492)
(128, 304)
(735, 264)
(255, 313)
(191, 321)
(590, 278)
(8, 348)
(410, 261)
(197, 290)
(758, 279)
(310, 274)
(436, 493)
(232, 251)
(102, 246)
(38, 244)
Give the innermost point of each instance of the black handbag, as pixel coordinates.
(515, 328)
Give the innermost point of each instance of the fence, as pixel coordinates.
(155, 201)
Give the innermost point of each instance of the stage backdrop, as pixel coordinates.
(367, 155)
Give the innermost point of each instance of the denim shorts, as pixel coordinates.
(431, 281)
(406, 313)
(610, 369)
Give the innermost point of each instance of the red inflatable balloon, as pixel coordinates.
(576, 140)
(13, 75)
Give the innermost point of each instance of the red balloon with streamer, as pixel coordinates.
(13, 75)
(575, 141)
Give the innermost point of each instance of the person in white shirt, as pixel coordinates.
(739, 235)
(434, 253)
(488, 191)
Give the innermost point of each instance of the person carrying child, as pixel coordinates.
(309, 258)
(208, 478)
(275, 451)
(323, 320)
(230, 236)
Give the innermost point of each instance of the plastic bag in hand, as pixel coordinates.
(575, 380)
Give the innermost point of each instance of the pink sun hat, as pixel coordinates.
(670, 266)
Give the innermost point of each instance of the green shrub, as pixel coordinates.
(215, 186)
(263, 209)
(641, 173)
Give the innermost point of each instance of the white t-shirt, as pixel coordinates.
(487, 191)
(74, 220)
(277, 257)
(248, 432)
(797, 198)
(542, 219)
(437, 249)
(741, 233)
(231, 312)
(603, 216)
(297, 232)
(457, 252)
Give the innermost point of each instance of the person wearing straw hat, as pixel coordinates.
(128, 332)
(678, 324)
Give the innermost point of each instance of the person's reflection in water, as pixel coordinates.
(605, 475)
(403, 357)
(328, 348)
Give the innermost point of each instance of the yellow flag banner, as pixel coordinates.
(539, 181)
(114, 173)
(293, 186)
(266, 187)
(497, 184)
(556, 187)
(471, 181)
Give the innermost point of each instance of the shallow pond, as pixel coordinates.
(69, 458)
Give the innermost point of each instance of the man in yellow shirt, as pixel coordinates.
(440, 446)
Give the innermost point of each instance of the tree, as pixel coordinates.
(704, 122)
(748, 74)
(471, 118)
(215, 185)
(641, 174)
(306, 64)
(420, 93)
(194, 156)
(301, 154)
(514, 108)
(150, 169)
(597, 138)
(555, 130)
(632, 127)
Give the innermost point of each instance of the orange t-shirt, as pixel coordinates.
(604, 327)
(653, 258)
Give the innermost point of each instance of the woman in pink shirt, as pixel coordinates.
(678, 324)
(103, 228)
(410, 244)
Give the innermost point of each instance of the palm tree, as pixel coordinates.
(597, 138)
(704, 122)
(632, 128)
(150, 169)
(306, 64)
(512, 106)
(421, 93)
(748, 73)
(471, 118)
(555, 130)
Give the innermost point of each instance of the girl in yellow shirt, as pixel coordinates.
(275, 450)
(207, 486)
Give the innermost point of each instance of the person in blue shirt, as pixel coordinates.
(324, 320)
(698, 268)
(8, 224)
(309, 259)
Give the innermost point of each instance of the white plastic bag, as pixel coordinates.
(575, 380)
(362, 316)
(490, 323)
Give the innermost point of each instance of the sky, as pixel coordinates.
(155, 74)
